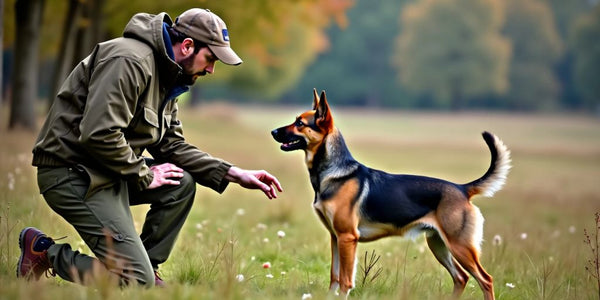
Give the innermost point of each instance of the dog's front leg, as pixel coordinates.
(347, 243)
(334, 282)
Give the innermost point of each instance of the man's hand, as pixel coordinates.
(255, 180)
(163, 174)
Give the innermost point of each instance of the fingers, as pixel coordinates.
(276, 183)
(269, 184)
(163, 174)
(173, 174)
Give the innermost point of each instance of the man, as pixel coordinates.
(117, 103)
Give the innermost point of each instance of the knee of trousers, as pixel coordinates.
(142, 274)
(187, 185)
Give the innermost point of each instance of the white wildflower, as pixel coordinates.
(497, 241)
(572, 229)
(261, 226)
(524, 236)
(269, 275)
(240, 212)
(306, 296)
(239, 277)
(281, 234)
(510, 285)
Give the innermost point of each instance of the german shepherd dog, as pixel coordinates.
(360, 204)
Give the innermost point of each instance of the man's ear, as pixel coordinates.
(187, 47)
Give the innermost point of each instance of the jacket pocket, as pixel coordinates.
(49, 178)
(151, 117)
(144, 130)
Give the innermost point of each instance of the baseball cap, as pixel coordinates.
(205, 26)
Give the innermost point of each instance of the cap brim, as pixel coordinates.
(226, 55)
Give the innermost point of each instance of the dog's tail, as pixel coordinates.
(495, 177)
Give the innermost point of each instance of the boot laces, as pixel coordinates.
(43, 262)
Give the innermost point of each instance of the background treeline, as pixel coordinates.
(526, 55)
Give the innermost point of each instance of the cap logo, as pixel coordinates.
(225, 35)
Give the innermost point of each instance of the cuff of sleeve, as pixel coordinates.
(145, 181)
(218, 178)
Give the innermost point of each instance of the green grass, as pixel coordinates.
(551, 195)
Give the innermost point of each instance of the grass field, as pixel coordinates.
(551, 196)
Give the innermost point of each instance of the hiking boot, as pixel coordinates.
(34, 260)
(158, 281)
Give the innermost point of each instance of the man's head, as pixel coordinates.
(206, 27)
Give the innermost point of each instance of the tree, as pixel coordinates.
(453, 50)
(357, 68)
(81, 31)
(565, 15)
(259, 28)
(586, 41)
(28, 16)
(1, 53)
(276, 39)
(67, 46)
(537, 47)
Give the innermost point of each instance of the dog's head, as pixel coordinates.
(309, 129)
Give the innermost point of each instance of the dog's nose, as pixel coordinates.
(274, 132)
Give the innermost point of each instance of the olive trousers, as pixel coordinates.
(104, 221)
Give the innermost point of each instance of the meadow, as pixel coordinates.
(533, 238)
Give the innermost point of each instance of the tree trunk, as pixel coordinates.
(28, 17)
(1, 53)
(89, 31)
(67, 48)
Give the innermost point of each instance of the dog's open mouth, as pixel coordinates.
(295, 144)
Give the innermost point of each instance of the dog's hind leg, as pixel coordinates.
(443, 255)
(468, 258)
(463, 232)
(334, 282)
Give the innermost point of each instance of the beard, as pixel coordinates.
(189, 77)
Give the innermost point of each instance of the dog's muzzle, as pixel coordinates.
(289, 141)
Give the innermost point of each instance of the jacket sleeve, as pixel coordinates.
(206, 170)
(115, 86)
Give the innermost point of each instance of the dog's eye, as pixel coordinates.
(299, 123)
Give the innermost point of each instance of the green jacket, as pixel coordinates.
(115, 104)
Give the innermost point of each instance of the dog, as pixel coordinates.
(360, 204)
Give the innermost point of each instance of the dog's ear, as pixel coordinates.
(315, 99)
(323, 114)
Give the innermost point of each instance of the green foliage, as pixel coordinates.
(443, 53)
(536, 49)
(453, 50)
(356, 67)
(286, 64)
(276, 39)
(586, 41)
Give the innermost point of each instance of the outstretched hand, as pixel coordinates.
(252, 179)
